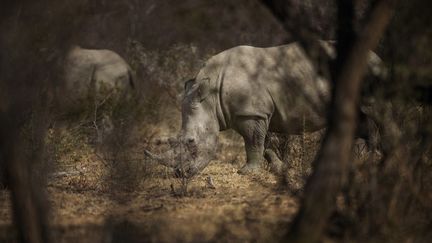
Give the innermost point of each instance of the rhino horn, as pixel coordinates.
(168, 161)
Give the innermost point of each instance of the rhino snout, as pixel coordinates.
(186, 171)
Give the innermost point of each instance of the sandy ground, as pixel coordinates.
(87, 207)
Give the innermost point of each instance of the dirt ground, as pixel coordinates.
(86, 206)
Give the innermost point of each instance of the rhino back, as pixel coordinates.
(103, 67)
(278, 83)
(112, 71)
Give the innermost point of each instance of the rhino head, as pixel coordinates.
(195, 145)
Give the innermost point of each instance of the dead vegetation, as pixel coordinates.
(104, 189)
(110, 190)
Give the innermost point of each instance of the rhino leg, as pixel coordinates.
(368, 130)
(254, 132)
(276, 165)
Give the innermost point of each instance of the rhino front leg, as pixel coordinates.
(254, 132)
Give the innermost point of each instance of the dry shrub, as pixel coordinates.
(160, 77)
(123, 158)
(390, 197)
(297, 153)
(112, 130)
(72, 154)
(164, 69)
(386, 197)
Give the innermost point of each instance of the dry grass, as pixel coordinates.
(110, 192)
(88, 205)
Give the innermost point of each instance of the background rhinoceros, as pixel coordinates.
(98, 73)
(96, 80)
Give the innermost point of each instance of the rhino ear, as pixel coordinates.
(189, 87)
(204, 88)
(189, 83)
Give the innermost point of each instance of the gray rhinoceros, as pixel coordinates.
(253, 91)
(92, 77)
(95, 73)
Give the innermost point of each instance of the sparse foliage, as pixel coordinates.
(80, 175)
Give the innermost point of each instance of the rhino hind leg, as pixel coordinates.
(276, 166)
(253, 132)
(368, 130)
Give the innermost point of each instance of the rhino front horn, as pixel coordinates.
(161, 159)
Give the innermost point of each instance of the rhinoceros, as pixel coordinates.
(91, 77)
(95, 73)
(253, 91)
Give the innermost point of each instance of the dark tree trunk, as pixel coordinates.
(27, 198)
(34, 37)
(330, 167)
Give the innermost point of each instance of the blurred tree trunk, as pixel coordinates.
(27, 198)
(35, 36)
(330, 167)
(16, 98)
